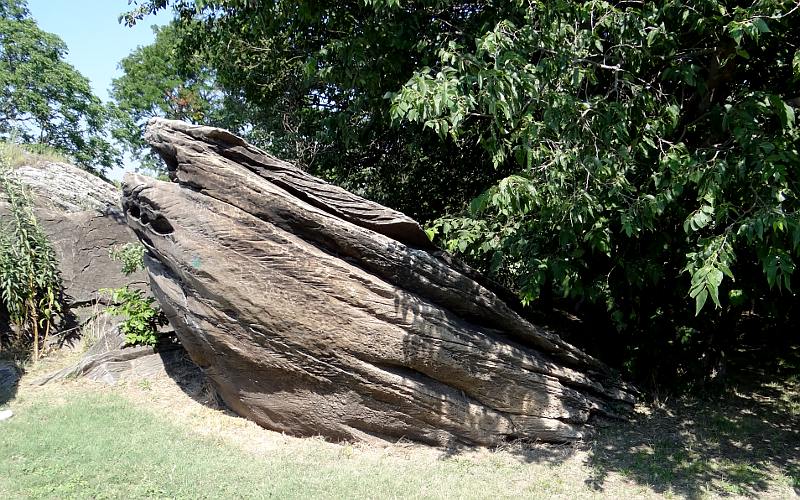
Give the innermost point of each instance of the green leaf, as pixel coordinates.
(714, 277)
(674, 114)
(700, 301)
(761, 25)
(796, 64)
(736, 32)
(651, 36)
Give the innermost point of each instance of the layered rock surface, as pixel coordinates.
(80, 213)
(314, 311)
(65, 188)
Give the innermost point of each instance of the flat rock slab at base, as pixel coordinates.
(313, 311)
(137, 363)
(110, 362)
(132, 363)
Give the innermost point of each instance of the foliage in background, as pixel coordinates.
(141, 317)
(157, 82)
(30, 282)
(43, 98)
(641, 158)
(314, 76)
(658, 167)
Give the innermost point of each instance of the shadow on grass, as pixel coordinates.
(191, 379)
(735, 443)
(739, 441)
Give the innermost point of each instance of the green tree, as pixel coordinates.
(657, 154)
(316, 74)
(641, 158)
(156, 81)
(44, 99)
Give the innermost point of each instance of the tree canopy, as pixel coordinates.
(317, 74)
(635, 163)
(44, 99)
(156, 81)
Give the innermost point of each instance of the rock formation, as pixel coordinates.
(81, 216)
(61, 187)
(314, 311)
(9, 378)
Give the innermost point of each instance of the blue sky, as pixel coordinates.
(96, 40)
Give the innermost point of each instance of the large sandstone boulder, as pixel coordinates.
(81, 215)
(314, 311)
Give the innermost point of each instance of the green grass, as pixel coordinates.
(164, 438)
(102, 446)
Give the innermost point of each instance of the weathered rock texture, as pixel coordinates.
(80, 213)
(82, 241)
(65, 188)
(314, 311)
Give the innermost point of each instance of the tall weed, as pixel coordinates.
(30, 281)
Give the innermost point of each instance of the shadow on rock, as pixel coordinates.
(9, 380)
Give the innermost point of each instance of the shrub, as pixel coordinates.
(655, 192)
(30, 282)
(142, 317)
(131, 255)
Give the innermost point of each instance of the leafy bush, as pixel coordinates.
(142, 317)
(30, 283)
(130, 254)
(657, 160)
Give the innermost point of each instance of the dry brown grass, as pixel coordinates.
(17, 155)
